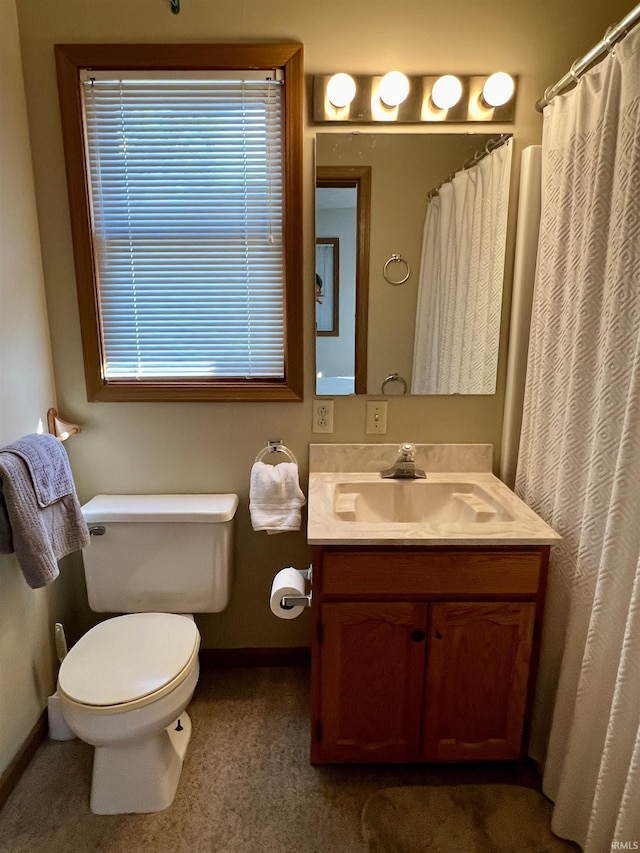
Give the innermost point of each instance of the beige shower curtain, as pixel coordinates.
(460, 284)
(579, 463)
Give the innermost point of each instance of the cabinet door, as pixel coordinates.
(476, 682)
(371, 681)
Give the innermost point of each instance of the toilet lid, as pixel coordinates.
(128, 657)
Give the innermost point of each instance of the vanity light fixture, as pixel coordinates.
(398, 98)
(498, 89)
(446, 92)
(394, 88)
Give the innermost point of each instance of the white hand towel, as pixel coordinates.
(275, 497)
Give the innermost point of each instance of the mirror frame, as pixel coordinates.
(360, 178)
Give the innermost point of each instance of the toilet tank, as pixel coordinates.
(165, 553)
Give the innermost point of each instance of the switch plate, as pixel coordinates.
(322, 416)
(376, 420)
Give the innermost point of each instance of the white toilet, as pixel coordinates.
(125, 685)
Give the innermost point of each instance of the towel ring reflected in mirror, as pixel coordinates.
(394, 377)
(386, 272)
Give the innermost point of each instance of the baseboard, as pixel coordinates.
(16, 768)
(219, 658)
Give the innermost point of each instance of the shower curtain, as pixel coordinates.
(579, 463)
(460, 284)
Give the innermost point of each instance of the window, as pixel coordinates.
(184, 174)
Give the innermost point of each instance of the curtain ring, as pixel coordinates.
(394, 377)
(573, 73)
(609, 42)
(396, 259)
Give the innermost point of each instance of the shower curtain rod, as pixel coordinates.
(613, 35)
(491, 146)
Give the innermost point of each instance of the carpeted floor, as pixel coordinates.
(247, 785)
(448, 819)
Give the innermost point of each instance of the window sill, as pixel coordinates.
(167, 391)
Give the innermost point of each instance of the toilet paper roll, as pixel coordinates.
(286, 582)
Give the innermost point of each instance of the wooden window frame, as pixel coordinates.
(71, 59)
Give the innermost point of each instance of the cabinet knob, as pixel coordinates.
(418, 636)
(438, 635)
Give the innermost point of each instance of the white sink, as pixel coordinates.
(460, 503)
(416, 502)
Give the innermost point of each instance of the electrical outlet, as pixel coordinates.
(323, 416)
(376, 420)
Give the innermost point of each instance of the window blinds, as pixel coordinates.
(186, 190)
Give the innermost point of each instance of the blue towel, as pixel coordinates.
(40, 516)
(48, 465)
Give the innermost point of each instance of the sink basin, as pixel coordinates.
(416, 501)
(460, 503)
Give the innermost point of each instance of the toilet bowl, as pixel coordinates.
(124, 688)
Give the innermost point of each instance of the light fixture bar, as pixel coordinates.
(368, 107)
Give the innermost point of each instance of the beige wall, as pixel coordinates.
(27, 617)
(151, 447)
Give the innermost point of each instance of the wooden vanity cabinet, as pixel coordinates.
(423, 655)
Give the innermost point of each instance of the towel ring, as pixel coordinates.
(396, 259)
(394, 377)
(275, 447)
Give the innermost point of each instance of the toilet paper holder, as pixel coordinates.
(289, 601)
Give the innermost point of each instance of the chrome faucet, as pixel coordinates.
(404, 468)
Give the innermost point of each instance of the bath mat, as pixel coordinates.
(452, 819)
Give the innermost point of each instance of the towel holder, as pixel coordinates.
(59, 428)
(275, 446)
(396, 259)
(394, 377)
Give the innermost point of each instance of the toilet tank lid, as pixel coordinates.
(161, 508)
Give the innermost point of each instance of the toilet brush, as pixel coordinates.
(58, 728)
(61, 642)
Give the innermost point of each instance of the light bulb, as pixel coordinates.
(341, 90)
(498, 89)
(394, 88)
(446, 92)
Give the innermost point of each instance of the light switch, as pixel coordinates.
(376, 420)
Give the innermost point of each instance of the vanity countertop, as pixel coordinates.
(350, 504)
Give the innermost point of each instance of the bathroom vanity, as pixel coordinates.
(428, 599)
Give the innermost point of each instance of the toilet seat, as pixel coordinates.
(129, 661)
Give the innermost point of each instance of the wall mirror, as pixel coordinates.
(410, 244)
